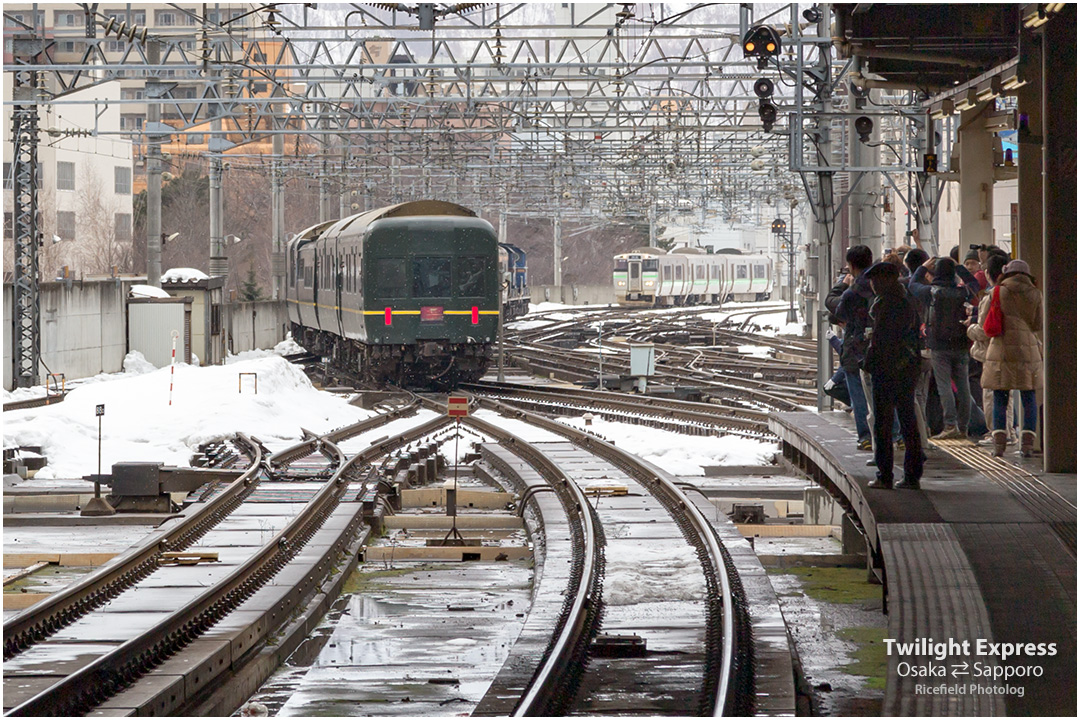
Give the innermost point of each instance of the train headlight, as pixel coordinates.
(621, 283)
(649, 283)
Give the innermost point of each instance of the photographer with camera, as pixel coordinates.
(946, 335)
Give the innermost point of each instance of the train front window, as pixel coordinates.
(620, 266)
(470, 276)
(431, 277)
(390, 277)
(650, 265)
(635, 271)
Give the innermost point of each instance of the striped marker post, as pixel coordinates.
(172, 365)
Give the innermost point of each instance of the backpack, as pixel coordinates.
(947, 316)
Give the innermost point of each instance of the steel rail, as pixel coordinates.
(548, 692)
(66, 606)
(730, 697)
(704, 416)
(93, 684)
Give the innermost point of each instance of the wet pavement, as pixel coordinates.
(416, 640)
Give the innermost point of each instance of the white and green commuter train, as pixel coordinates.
(689, 276)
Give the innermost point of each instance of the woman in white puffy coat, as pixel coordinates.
(1014, 358)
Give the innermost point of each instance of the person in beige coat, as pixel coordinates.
(1014, 358)
(995, 268)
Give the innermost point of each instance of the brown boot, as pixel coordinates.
(1000, 439)
(1027, 443)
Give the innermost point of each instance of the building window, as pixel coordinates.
(65, 225)
(131, 122)
(65, 19)
(131, 94)
(195, 139)
(122, 180)
(9, 225)
(65, 175)
(122, 227)
(162, 17)
(9, 180)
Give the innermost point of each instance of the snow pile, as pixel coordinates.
(286, 347)
(180, 275)
(644, 570)
(683, 455)
(147, 291)
(136, 364)
(140, 425)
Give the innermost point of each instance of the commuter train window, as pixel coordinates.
(620, 265)
(759, 271)
(299, 271)
(470, 276)
(715, 272)
(667, 272)
(740, 271)
(431, 277)
(678, 272)
(390, 277)
(699, 272)
(650, 265)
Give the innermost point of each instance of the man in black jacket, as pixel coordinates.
(946, 335)
(849, 301)
(892, 359)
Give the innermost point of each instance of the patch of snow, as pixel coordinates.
(147, 291)
(639, 571)
(756, 350)
(20, 394)
(183, 275)
(286, 347)
(685, 455)
(140, 425)
(529, 324)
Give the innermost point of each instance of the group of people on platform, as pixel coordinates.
(972, 326)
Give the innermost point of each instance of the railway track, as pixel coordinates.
(577, 673)
(688, 418)
(308, 537)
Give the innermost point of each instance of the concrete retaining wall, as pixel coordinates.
(254, 325)
(82, 328)
(573, 294)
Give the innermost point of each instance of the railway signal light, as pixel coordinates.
(864, 126)
(929, 162)
(761, 42)
(778, 226)
(767, 113)
(763, 88)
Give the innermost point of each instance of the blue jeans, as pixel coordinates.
(1027, 400)
(858, 404)
(951, 366)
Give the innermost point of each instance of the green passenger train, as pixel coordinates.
(407, 294)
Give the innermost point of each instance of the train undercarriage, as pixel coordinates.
(424, 365)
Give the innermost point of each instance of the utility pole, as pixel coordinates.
(558, 253)
(824, 239)
(792, 316)
(152, 131)
(219, 263)
(277, 218)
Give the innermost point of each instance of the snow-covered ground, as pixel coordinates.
(685, 455)
(208, 403)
